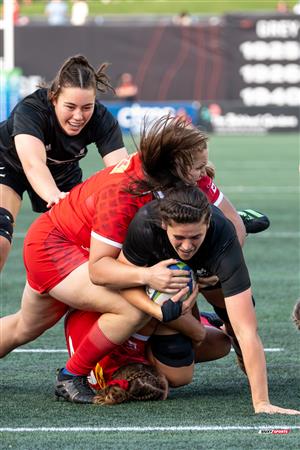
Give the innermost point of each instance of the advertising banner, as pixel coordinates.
(131, 116)
(236, 118)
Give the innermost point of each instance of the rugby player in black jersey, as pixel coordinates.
(46, 135)
(183, 225)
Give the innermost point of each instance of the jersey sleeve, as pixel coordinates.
(108, 133)
(29, 120)
(232, 270)
(214, 195)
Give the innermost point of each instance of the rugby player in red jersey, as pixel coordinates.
(70, 252)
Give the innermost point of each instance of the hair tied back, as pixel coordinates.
(123, 384)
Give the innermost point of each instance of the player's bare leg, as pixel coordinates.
(38, 313)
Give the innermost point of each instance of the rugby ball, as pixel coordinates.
(160, 297)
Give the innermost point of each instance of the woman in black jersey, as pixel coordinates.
(184, 225)
(47, 134)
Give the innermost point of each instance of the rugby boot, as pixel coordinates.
(254, 221)
(213, 319)
(74, 389)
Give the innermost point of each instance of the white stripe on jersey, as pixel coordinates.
(105, 240)
(219, 199)
(140, 337)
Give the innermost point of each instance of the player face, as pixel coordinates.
(74, 108)
(186, 238)
(200, 160)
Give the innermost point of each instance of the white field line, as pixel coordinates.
(149, 429)
(62, 350)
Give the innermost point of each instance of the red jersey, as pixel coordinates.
(101, 207)
(79, 323)
(211, 191)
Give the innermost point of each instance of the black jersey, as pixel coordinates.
(35, 115)
(220, 254)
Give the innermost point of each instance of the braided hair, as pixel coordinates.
(184, 204)
(76, 71)
(134, 382)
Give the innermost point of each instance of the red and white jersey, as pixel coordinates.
(101, 207)
(79, 323)
(214, 195)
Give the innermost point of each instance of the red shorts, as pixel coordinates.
(78, 324)
(49, 256)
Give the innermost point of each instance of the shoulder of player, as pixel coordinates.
(148, 212)
(145, 221)
(35, 102)
(101, 111)
(102, 119)
(224, 229)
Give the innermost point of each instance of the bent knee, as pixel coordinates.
(182, 378)
(174, 350)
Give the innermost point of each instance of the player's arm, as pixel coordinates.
(114, 157)
(231, 213)
(113, 273)
(32, 154)
(243, 320)
(106, 270)
(191, 327)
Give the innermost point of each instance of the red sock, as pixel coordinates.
(93, 347)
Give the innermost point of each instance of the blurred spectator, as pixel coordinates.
(126, 89)
(182, 114)
(183, 18)
(282, 7)
(17, 19)
(79, 12)
(57, 12)
(16, 13)
(296, 8)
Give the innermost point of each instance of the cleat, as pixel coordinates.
(254, 221)
(74, 389)
(213, 319)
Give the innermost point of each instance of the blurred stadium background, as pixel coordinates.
(234, 70)
(231, 66)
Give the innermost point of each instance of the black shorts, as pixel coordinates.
(19, 183)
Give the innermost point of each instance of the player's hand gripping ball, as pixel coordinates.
(160, 298)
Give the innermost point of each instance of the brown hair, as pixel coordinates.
(184, 204)
(166, 151)
(143, 383)
(78, 72)
(210, 170)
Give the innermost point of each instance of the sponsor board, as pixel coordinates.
(229, 118)
(132, 116)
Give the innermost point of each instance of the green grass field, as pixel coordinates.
(97, 7)
(215, 411)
